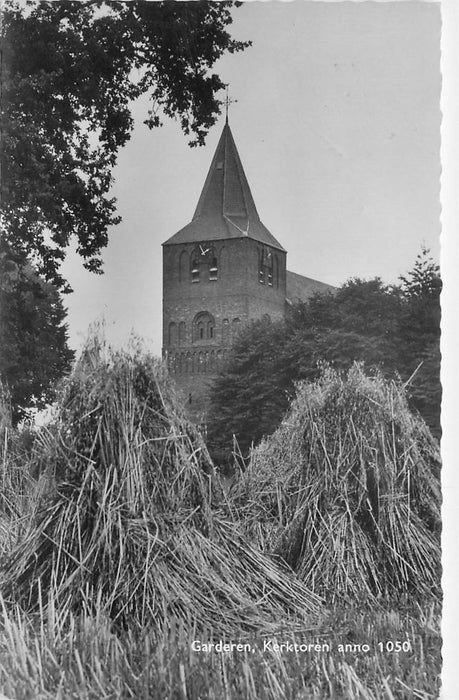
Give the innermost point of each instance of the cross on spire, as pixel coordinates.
(228, 101)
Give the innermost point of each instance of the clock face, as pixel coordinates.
(203, 250)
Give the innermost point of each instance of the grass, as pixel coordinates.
(81, 657)
(119, 548)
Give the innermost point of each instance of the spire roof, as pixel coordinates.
(225, 208)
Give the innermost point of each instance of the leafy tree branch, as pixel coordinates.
(70, 72)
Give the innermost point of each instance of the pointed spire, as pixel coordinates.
(226, 191)
(226, 208)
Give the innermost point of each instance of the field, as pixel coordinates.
(128, 571)
(68, 657)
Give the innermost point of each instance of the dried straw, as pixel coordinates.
(348, 490)
(132, 524)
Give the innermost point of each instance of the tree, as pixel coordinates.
(248, 398)
(70, 72)
(33, 337)
(389, 328)
(421, 289)
(419, 334)
(251, 395)
(356, 322)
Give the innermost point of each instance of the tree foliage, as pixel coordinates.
(250, 395)
(419, 333)
(33, 336)
(393, 328)
(70, 71)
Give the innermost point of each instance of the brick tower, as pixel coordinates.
(219, 272)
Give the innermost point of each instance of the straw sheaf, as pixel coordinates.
(133, 520)
(348, 489)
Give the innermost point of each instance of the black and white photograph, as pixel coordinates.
(224, 328)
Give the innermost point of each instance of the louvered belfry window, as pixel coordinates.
(204, 263)
(195, 269)
(213, 269)
(265, 267)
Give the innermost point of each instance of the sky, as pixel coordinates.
(337, 122)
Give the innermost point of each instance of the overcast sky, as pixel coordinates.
(338, 127)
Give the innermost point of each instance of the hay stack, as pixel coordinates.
(348, 490)
(15, 482)
(130, 524)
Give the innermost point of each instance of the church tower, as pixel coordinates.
(220, 271)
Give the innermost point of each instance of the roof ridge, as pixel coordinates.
(225, 131)
(241, 176)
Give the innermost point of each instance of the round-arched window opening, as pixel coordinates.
(204, 263)
(203, 327)
(213, 269)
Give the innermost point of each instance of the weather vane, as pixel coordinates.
(228, 101)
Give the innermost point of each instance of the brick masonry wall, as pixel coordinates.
(232, 300)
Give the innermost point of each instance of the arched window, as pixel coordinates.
(195, 265)
(225, 331)
(265, 267)
(261, 269)
(236, 327)
(183, 266)
(172, 333)
(213, 269)
(182, 333)
(203, 327)
(204, 263)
